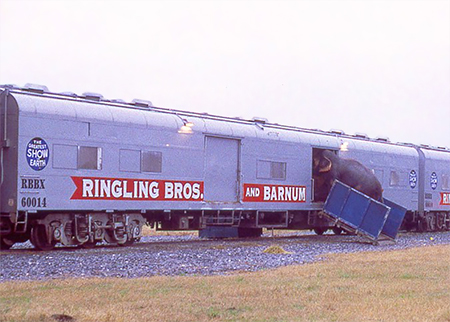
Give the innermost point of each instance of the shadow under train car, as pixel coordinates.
(359, 214)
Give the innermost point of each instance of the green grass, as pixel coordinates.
(402, 285)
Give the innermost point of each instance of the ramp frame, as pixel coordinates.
(357, 213)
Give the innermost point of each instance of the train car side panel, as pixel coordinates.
(8, 155)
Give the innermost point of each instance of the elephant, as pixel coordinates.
(328, 167)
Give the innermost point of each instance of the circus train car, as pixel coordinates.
(81, 169)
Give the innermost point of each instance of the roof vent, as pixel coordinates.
(382, 139)
(141, 103)
(92, 96)
(261, 120)
(10, 86)
(118, 100)
(35, 88)
(335, 131)
(71, 94)
(361, 135)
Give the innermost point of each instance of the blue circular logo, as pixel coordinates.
(433, 181)
(38, 154)
(412, 179)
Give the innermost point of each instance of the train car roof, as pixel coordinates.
(32, 98)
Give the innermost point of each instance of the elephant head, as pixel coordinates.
(327, 167)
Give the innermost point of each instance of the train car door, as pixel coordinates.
(320, 181)
(221, 169)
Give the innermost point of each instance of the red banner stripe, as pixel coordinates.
(445, 198)
(91, 188)
(273, 193)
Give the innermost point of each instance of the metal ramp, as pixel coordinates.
(394, 220)
(357, 213)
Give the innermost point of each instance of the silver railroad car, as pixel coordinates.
(78, 170)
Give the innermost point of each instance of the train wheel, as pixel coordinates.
(337, 230)
(320, 231)
(6, 243)
(440, 221)
(39, 238)
(431, 221)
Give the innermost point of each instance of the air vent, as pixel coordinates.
(361, 135)
(93, 96)
(118, 100)
(382, 139)
(141, 103)
(35, 88)
(335, 131)
(10, 86)
(261, 120)
(71, 94)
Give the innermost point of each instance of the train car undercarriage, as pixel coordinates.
(88, 229)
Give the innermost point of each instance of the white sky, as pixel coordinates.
(376, 67)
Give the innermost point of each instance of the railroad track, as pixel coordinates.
(189, 255)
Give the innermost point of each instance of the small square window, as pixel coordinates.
(445, 182)
(270, 170)
(394, 179)
(151, 161)
(278, 170)
(379, 174)
(89, 158)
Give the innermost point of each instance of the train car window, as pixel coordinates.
(394, 179)
(379, 174)
(278, 170)
(270, 170)
(151, 161)
(130, 160)
(65, 156)
(445, 182)
(89, 157)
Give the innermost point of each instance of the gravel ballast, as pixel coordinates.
(190, 255)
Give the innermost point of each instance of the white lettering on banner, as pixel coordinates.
(169, 190)
(116, 189)
(105, 188)
(274, 193)
(135, 189)
(88, 185)
(252, 192)
(154, 191)
(445, 199)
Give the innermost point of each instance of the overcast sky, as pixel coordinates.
(375, 67)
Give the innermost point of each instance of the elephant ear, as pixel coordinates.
(325, 165)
